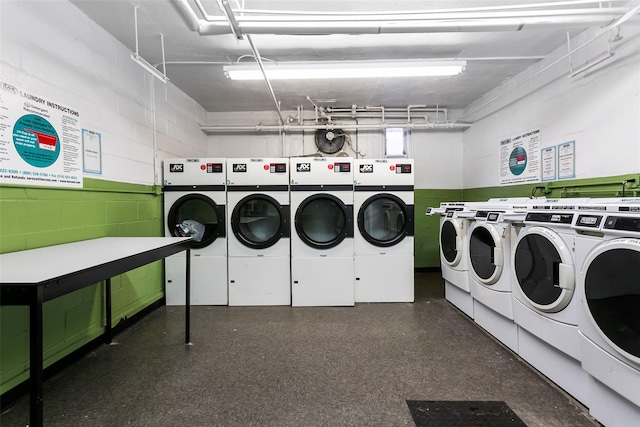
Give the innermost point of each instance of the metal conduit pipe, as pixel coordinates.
(466, 9)
(300, 128)
(390, 23)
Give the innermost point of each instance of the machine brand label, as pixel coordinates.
(366, 168)
(381, 161)
(256, 160)
(192, 160)
(303, 167)
(342, 167)
(240, 167)
(214, 167)
(176, 167)
(277, 167)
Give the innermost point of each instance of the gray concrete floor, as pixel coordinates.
(284, 366)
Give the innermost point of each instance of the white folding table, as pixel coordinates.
(34, 276)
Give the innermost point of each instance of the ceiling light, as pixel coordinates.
(345, 70)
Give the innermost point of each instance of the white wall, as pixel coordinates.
(52, 50)
(437, 154)
(599, 109)
(438, 159)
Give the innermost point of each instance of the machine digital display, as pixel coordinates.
(342, 167)
(402, 168)
(278, 168)
(214, 168)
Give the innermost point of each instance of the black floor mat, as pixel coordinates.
(427, 413)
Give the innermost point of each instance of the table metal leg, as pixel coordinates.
(36, 352)
(107, 297)
(187, 318)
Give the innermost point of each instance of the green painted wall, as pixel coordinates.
(32, 217)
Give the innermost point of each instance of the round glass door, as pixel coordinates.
(450, 241)
(612, 294)
(384, 220)
(323, 221)
(485, 254)
(544, 269)
(198, 216)
(259, 221)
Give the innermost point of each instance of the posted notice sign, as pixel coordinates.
(40, 140)
(520, 158)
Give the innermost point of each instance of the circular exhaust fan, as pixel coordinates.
(330, 141)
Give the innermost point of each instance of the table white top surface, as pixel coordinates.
(38, 265)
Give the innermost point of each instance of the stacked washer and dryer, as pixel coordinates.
(259, 222)
(321, 190)
(194, 205)
(383, 242)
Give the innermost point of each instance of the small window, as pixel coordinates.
(395, 142)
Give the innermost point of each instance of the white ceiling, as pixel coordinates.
(494, 54)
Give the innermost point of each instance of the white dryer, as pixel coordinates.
(609, 316)
(383, 241)
(322, 231)
(544, 305)
(259, 229)
(194, 204)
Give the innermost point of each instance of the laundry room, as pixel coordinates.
(323, 250)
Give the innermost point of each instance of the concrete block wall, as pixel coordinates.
(51, 49)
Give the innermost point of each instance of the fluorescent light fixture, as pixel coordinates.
(345, 70)
(150, 68)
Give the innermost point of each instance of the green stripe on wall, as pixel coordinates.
(33, 217)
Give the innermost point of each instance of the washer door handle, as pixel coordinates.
(498, 257)
(566, 279)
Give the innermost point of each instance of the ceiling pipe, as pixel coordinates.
(466, 9)
(208, 129)
(396, 23)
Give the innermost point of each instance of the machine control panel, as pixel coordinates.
(341, 167)
(214, 168)
(624, 223)
(277, 167)
(549, 217)
(403, 168)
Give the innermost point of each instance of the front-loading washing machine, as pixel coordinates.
(383, 241)
(490, 239)
(453, 239)
(544, 302)
(321, 191)
(609, 315)
(259, 228)
(194, 205)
